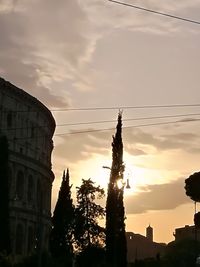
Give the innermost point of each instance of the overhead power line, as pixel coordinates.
(127, 107)
(125, 127)
(103, 121)
(108, 108)
(107, 129)
(156, 12)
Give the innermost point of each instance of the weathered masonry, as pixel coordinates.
(29, 127)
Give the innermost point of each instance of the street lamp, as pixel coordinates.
(121, 184)
(127, 184)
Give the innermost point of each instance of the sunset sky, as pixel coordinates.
(94, 54)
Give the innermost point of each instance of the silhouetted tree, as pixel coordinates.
(116, 247)
(62, 220)
(88, 233)
(192, 186)
(91, 257)
(197, 220)
(4, 197)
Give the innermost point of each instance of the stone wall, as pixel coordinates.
(29, 127)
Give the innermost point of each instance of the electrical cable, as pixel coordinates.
(156, 12)
(127, 107)
(103, 121)
(110, 108)
(108, 129)
(125, 127)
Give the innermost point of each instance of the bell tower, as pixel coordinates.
(149, 233)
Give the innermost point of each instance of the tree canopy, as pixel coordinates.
(192, 186)
(88, 233)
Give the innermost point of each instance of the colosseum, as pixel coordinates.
(29, 127)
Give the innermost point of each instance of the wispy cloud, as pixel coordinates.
(56, 42)
(39, 47)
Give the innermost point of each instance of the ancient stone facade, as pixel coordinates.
(29, 127)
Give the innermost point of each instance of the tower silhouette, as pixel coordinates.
(149, 233)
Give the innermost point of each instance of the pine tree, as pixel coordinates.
(62, 220)
(116, 248)
(87, 231)
(4, 197)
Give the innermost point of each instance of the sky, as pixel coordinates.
(98, 54)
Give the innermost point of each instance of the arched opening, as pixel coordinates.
(39, 197)
(30, 191)
(9, 176)
(20, 185)
(19, 239)
(9, 120)
(30, 239)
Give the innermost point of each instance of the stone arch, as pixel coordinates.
(9, 120)
(19, 241)
(30, 189)
(20, 185)
(10, 173)
(39, 196)
(31, 241)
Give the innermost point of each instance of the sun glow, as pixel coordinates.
(120, 183)
(137, 175)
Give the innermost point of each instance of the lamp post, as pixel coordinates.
(123, 183)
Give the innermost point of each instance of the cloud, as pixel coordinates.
(82, 146)
(157, 197)
(43, 43)
(109, 15)
(183, 140)
(131, 149)
(137, 142)
(17, 62)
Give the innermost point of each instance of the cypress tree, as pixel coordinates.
(116, 248)
(62, 220)
(4, 197)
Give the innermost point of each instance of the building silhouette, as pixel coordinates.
(141, 247)
(149, 233)
(29, 127)
(186, 233)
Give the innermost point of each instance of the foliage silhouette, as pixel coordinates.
(192, 186)
(91, 257)
(61, 238)
(197, 220)
(87, 231)
(116, 247)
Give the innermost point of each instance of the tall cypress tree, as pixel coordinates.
(116, 248)
(62, 220)
(4, 197)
